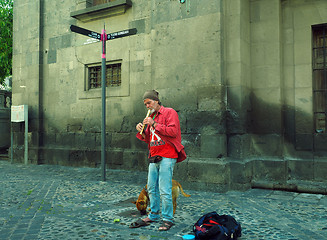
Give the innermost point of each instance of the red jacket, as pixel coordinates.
(168, 128)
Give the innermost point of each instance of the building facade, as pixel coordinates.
(247, 78)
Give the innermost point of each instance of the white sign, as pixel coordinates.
(19, 113)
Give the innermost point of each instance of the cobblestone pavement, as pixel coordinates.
(57, 202)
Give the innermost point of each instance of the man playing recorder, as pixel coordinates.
(163, 136)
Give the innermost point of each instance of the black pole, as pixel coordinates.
(103, 119)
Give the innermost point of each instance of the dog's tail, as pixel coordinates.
(180, 187)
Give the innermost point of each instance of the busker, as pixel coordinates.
(163, 136)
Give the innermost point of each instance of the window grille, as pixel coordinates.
(98, 2)
(113, 76)
(319, 77)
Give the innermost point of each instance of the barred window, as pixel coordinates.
(98, 2)
(113, 76)
(319, 76)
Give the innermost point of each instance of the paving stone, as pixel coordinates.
(57, 202)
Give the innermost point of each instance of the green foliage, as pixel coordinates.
(6, 37)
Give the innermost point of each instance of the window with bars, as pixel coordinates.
(113, 76)
(319, 77)
(98, 2)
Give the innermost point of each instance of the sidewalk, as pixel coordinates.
(56, 202)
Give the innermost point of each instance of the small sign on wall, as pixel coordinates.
(19, 113)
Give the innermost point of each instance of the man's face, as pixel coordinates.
(151, 104)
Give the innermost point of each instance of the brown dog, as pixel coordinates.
(143, 201)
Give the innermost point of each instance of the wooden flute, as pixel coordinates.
(147, 115)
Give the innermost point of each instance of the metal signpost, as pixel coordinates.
(103, 37)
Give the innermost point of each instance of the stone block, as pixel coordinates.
(66, 41)
(300, 169)
(75, 127)
(269, 170)
(202, 174)
(211, 98)
(76, 158)
(181, 170)
(205, 122)
(57, 156)
(177, 97)
(129, 123)
(48, 139)
(139, 25)
(121, 140)
(303, 141)
(320, 166)
(108, 139)
(207, 171)
(18, 137)
(137, 66)
(183, 173)
(319, 141)
(240, 175)
(288, 69)
(18, 154)
(266, 111)
(233, 71)
(115, 159)
(33, 156)
(182, 121)
(213, 146)
(235, 98)
(192, 144)
(266, 145)
(135, 160)
(264, 77)
(239, 146)
(265, 55)
(137, 144)
(303, 106)
(302, 48)
(33, 138)
(86, 141)
(303, 72)
(52, 56)
(93, 158)
(65, 139)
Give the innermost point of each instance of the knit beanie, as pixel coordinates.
(151, 94)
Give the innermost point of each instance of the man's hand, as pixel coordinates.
(139, 127)
(148, 121)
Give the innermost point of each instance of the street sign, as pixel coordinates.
(19, 113)
(110, 36)
(103, 37)
(121, 34)
(85, 32)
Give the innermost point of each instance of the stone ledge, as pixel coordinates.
(105, 10)
(293, 186)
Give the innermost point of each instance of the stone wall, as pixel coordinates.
(237, 72)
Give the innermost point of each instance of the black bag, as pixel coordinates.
(212, 226)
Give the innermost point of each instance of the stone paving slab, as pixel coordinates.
(57, 202)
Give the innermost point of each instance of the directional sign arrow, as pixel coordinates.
(121, 34)
(96, 35)
(85, 32)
